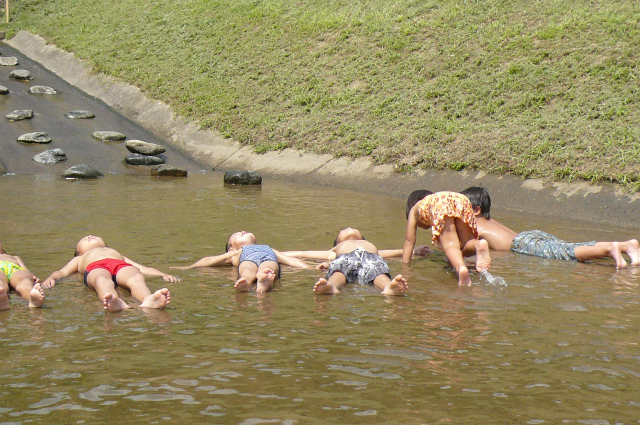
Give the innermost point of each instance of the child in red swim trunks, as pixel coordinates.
(453, 229)
(105, 268)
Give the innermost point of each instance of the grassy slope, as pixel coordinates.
(532, 87)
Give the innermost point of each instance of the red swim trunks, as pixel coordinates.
(111, 265)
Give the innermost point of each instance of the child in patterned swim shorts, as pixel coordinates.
(355, 259)
(14, 273)
(453, 229)
(542, 244)
(257, 264)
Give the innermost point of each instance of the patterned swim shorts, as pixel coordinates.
(359, 265)
(544, 245)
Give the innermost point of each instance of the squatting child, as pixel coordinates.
(14, 273)
(257, 264)
(453, 229)
(542, 244)
(105, 269)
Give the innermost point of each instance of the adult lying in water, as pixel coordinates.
(105, 269)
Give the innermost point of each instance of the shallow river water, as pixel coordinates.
(557, 343)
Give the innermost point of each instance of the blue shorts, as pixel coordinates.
(544, 245)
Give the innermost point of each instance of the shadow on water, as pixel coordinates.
(557, 343)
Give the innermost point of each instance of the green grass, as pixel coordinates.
(537, 88)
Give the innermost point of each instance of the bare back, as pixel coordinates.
(97, 254)
(350, 245)
(495, 233)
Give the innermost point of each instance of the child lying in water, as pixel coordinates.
(14, 273)
(257, 264)
(105, 269)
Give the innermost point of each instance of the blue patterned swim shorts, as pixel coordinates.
(544, 245)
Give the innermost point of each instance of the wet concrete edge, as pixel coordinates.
(584, 201)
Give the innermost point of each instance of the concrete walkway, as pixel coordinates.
(599, 204)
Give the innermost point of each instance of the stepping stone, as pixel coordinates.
(4, 90)
(52, 156)
(80, 115)
(19, 115)
(144, 148)
(247, 177)
(36, 137)
(81, 171)
(168, 171)
(109, 136)
(20, 74)
(8, 61)
(137, 159)
(42, 90)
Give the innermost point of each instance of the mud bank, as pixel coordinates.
(598, 204)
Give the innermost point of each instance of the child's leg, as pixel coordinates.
(336, 281)
(22, 280)
(100, 281)
(397, 286)
(266, 275)
(632, 249)
(4, 292)
(247, 271)
(452, 248)
(471, 246)
(133, 280)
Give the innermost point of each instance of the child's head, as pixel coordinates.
(239, 239)
(88, 243)
(414, 197)
(479, 197)
(348, 234)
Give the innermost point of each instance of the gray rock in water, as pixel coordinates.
(36, 137)
(79, 114)
(42, 90)
(169, 171)
(144, 148)
(4, 90)
(247, 177)
(8, 61)
(81, 171)
(137, 159)
(109, 136)
(52, 156)
(20, 114)
(20, 74)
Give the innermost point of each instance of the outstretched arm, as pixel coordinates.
(70, 268)
(150, 271)
(290, 261)
(329, 255)
(213, 261)
(418, 250)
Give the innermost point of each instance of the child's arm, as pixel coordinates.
(69, 269)
(150, 271)
(213, 261)
(317, 255)
(290, 261)
(410, 241)
(418, 250)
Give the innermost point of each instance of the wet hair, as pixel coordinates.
(415, 196)
(479, 197)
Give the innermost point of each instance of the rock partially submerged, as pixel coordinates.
(42, 90)
(246, 177)
(144, 148)
(4, 90)
(109, 136)
(20, 74)
(8, 61)
(35, 137)
(51, 156)
(81, 171)
(19, 115)
(80, 115)
(138, 159)
(168, 171)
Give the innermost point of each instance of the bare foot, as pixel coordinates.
(4, 299)
(396, 287)
(114, 303)
(323, 287)
(483, 258)
(265, 278)
(616, 254)
(36, 296)
(632, 249)
(464, 279)
(159, 299)
(242, 285)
